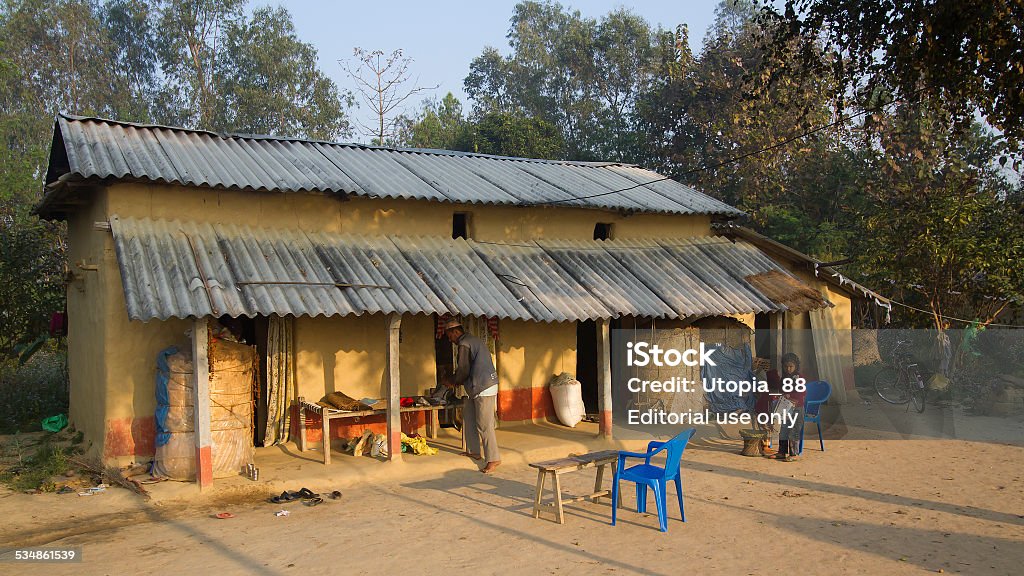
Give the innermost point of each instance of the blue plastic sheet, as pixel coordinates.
(733, 364)
(163, 403)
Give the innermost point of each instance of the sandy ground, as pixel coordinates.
(895, 493)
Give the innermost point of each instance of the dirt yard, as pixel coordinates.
(895, 493)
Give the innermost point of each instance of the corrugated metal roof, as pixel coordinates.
(182, 269)
(106, 149)
(611, 281)
(547, 289)
(826, 273)
(670, 275)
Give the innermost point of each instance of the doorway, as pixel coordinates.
(587, 365)
(253, 331)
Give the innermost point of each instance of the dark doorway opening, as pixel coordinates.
(763, 336)
(587, 365)
(253, 331)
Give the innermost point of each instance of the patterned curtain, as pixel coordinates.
(280, 379)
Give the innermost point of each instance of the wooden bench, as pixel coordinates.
(328, 414)
(571, 464)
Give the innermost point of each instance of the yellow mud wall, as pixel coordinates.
(746, 319)
(131, 348)
(111, 360)
(348, 355)
(530, 354)
(310, 212)
(798, 326)
(86, 322)
(516, 224)
(325, 213)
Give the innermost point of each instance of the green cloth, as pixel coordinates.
(55, 423)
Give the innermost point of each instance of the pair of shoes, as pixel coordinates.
(285, 496)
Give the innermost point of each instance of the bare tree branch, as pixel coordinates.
(381, 83)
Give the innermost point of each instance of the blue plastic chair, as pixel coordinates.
(646, 474)
(817, 394)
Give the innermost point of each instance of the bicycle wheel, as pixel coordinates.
(918, 395)
(891, 386)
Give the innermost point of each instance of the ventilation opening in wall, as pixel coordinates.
(603, 231)
(460, 225)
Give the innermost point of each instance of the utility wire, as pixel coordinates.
(944, 317)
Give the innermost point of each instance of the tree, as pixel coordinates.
(944, 229)
(438, 125)
(190, 35)
(269, 82)
(964, 56)
(193, 63)
(383, 84)
(724, 119)
(507, 134)
(581, 75)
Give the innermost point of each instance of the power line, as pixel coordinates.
(944, 317)
(734, 159)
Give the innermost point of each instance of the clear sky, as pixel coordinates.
(443, 36)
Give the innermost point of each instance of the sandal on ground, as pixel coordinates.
(287, 496)
(306, 493)
(313, 501)
(336, 494)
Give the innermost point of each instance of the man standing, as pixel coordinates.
(475, 372)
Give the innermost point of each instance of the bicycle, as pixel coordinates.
(901, 382)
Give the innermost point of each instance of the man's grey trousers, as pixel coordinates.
(478, 424)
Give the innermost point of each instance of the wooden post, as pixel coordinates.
(777, 344)
(201, 402)
(394, 414)
(604, 377)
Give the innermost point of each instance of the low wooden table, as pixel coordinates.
(328, 414)
(571, 464)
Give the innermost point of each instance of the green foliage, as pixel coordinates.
(192, 63)
(31, 282)
(506, 134)
(583, 76)
(33, 391)
(269, 82)
(966, 56)
(946, 216)
(36, 469)
(439, 125)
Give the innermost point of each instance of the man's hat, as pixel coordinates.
(452, 323)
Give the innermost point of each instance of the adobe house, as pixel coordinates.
(356, 253)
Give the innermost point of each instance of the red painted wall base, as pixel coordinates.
(525, 404)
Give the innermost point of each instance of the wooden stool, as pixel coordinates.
(753, 442)
(571, 464)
